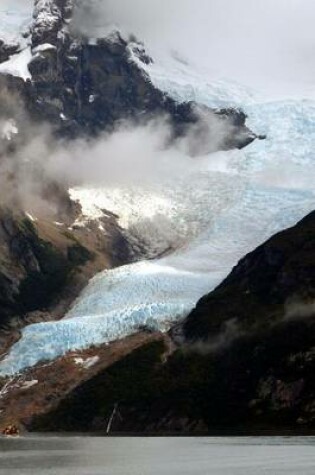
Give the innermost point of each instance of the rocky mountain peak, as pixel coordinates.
(83, 85)
(49, 17)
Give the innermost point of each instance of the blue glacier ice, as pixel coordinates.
(222, 207)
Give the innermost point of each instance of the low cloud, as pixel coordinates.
(146, 154)
(266, 43)
(298, 310)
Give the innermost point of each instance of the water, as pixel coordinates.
(156, 456)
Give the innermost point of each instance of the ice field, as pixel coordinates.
(218, 208)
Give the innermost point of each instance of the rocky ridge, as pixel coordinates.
(253, 375)
(83, 86)
(80, 87)
(232, 366)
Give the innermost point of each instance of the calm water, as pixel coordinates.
(157, 456)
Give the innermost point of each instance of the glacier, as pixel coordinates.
(220, 208)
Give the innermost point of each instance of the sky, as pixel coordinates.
(267, 44)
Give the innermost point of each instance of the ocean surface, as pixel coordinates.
(46, 455)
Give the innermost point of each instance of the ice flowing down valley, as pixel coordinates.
(219, 208)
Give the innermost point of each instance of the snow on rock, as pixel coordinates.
(15, 22)
(17, 65)
(110, 32)
(17, 382)
(43, 47)
(169, 213)
(87, 363)
(47, 17)
(29, 384)
(222, 207)
(186, 83)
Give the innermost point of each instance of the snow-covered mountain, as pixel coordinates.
(196, 219)
(243, 198)
(83, 85)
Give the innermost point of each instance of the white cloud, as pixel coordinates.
(263, 42)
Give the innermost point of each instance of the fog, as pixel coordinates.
(267, 44)
(133, 154)
(299, 309)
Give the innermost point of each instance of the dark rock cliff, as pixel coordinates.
(85, 86)
(263, 287)
(82, 87)
(7, 50)
(260, 377)
(44, 264)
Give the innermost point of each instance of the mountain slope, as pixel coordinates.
(45, 263)
(247, 359)
(83, 85)
(78, 86)
(257, 377)
(273, 280)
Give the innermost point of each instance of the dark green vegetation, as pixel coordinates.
(254, 373)
(122, 383)
(249, 350)
(260, 382)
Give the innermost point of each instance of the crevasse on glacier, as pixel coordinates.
(222, 207)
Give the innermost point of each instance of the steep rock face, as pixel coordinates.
(83, 86)
(49, 16)
(264, 382)
(253, 375)
(38, 391)
(7, 50)
(265, 286)
(45, 264)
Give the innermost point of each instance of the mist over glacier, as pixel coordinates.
(263, 43)
(209, 211)
(221, 207)
(266, 44)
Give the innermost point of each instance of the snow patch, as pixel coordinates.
(46, 14)
(29, 384)
(222, 207)
(44, 47)
(88, 362)
(17, 65)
